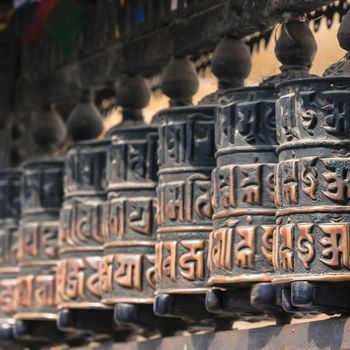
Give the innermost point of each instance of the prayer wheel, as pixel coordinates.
(186, 160)
(128, 266)
(36, 297)
(81, 242)
(9, 220)
(311, 243)
(240, 246)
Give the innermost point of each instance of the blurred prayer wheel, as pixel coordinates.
(81, 242)
(127, 270)
(311, 243)
(240, 246)
(9, 220)
(186, 160)
(42, 195)
(128, 267)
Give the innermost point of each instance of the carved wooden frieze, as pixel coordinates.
(186, 159)
(80, 237)
(240, 245)
(127, 271)
(311, 242)
(9, 216)
(42, 195)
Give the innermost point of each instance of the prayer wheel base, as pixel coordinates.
(99, 324)
(250, 304)
(142, 315)
(7, 338)
(316, 297)
(191, 308)
(39, 331)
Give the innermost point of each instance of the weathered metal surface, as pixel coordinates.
(81, 241)
(186, 159)
(311, 240)
(127, 270)
(42, 195)
(243, 188)
(327, 334)
(9, 217)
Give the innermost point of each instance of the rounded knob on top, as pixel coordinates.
(179, 81)
(296, 45)
(231, 62)
(85, 120)
(48, 128)
(132, 94)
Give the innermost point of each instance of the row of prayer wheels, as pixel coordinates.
(236, 208)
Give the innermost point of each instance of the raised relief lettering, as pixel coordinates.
(176, 141)
(128, 271)
(226, 187)
(140, 219)
(29, 242)
(336, 244)
(202, 141)
(305, 243)
(286, 252)
(45, 291)
(169, 262)
(192, 263)
(267, 241)
(336, 115)
(309, 176)
(285, 106)
(202, 204)
(117, 219)
(338, 180)
(251, 184)
(92, 281)
(244, 250)
(73, 279)
(136, 162)
(220, 249)
(25, 291)
(269, 182)
(106, 273)
(8, 296)
(290, 181)
(150, 272)
(77, 277)
(174, 206)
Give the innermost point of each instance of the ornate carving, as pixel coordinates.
(240, 246)
(9, 215)
(81, 234)
(311, 241)
(42, 189)
(127, 269)
(186, 155)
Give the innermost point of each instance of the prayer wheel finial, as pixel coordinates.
(179, 81)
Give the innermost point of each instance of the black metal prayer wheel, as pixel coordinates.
(311, 255)
(9, 218)
(240, 246)
(41, 199)
(186, 160)
(81, 242)
(127, 270)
